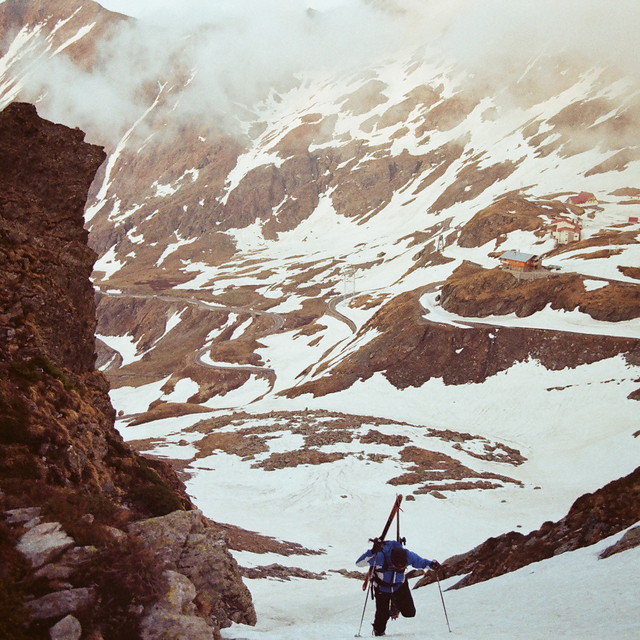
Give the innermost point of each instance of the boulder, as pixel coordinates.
(222, 595)
(44, 542)
(175, 615)
(68, 628)
(167, 535)
(630, 540)
(193, 546)
(67, 564)
(29, 517)
(164, 625)
(60, 603)
(180, 594)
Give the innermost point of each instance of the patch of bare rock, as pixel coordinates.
(247, 436)
(279, 572)
(630, 540)
(593, 517)
(240, 539)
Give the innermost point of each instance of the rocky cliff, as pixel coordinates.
(593, 517)
(74, 541)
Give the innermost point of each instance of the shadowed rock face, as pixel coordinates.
(45, 174)
(68, 483)
(57, 419)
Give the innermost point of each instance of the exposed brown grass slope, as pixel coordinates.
(410, 350)
(510, 213)
(472, 291)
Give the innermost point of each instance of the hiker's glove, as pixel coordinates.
(377, 545)
(435, 565)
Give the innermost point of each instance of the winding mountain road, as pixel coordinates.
(332, 311)
(277, 323)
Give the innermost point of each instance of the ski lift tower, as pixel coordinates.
(349, 275)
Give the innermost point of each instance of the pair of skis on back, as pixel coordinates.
(395, 513)
(368, 581)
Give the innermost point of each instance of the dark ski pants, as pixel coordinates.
(403, 601)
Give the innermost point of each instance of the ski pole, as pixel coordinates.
(443, 605)
(366, 599)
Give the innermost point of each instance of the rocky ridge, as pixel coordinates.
(76, 499)
(593, 517)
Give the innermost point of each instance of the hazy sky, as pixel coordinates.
(471, 27)
(149, 8)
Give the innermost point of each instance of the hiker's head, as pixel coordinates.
(398, 558)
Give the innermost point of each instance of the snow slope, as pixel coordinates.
(573, 596)
(571, 446)
(575, 427)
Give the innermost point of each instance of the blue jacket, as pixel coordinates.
(388, 578)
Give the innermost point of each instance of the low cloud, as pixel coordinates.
(593, 31)
(211, 57)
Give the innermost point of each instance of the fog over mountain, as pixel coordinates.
(235, 52)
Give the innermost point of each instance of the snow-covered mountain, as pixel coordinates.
(299, 294)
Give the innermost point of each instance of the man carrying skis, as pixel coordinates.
(389, 560)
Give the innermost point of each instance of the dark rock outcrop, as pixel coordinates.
(592, 517)
(630, 540)
(69, 486)
(57, 426)
(45, 174)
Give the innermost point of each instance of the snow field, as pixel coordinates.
(573, 596)
(575, 427)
